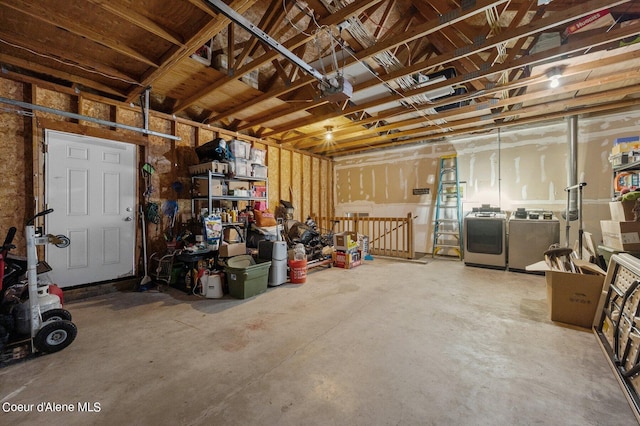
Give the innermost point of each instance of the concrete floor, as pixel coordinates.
(387, 343)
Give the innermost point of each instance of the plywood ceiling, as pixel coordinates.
(420, 70)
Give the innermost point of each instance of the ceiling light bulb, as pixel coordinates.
(329, 135)
(554, 74)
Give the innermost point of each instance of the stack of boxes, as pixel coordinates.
(348, 254)
(241, 150)
(625, 150)
(248, 161)
(622, 232)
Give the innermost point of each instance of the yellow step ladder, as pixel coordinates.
(447, 228)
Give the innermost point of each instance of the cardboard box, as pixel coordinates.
(345, 241)
(623, 148)
(574, 298)
(621, 235)
(235, 249)
(231, 235)
(216, 188)
(600, 19)
(626, 139)
(200, 188)
(626, 144)
(347, 260)
(235, 184)
(259, 191)
(621, 211)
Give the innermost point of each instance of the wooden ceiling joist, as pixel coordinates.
(452, 55)
(500, 50)
(353, 9)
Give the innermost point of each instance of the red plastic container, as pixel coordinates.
(298, 271)
(54, 289)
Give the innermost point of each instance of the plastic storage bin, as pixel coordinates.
(259, 170)
(245, 277)
(240, 149)
(258, 156)
(241, 167)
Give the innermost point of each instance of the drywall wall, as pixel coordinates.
(511, 168)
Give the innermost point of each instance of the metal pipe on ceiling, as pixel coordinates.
(75, 116)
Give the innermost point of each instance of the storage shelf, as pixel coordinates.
(229, 198)
(633, 166)
(235, 178)
(629, 166)
(209, 176)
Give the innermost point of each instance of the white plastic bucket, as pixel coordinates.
(213, 286)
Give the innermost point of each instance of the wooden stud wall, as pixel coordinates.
(273, 164)
(285, 176)
(296, 185)
(23, 138)
(15, 130)
(305, 177)
(315, 183)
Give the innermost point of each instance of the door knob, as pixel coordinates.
(128, 219)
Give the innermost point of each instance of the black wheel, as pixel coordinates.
(7, 322)
(4, 337)
(56, 314)
(55, 336)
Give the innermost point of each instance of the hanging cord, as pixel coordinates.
(317, 43)
(333, 52)
(385, 59)
(70, 64)
(153, 213)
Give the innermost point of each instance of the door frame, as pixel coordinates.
(40, 190)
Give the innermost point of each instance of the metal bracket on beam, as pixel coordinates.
(144, 104)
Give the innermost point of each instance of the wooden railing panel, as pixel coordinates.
(388, 236)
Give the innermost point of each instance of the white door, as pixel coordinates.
(90, 184)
